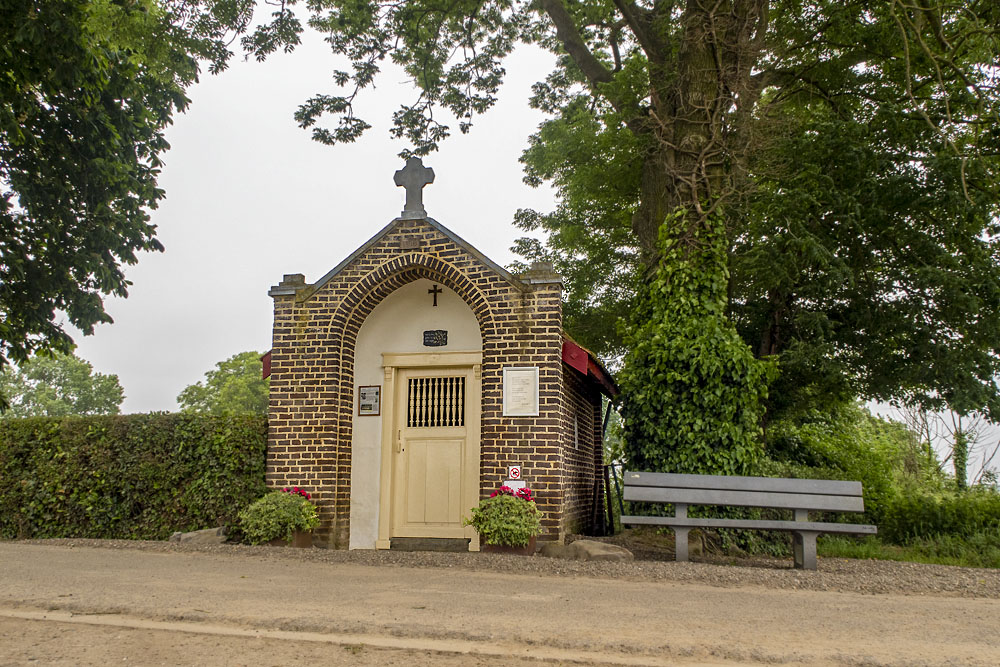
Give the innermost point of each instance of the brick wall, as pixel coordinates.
(312, 364)
(582, 452)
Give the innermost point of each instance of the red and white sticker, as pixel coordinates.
(513, 472)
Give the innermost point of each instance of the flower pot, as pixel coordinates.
(300, 538)
(527, 550)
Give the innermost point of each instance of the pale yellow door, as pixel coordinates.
(431, 463)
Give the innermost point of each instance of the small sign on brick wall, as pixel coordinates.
(520, 392)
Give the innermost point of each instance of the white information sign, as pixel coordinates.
(520, 392)
(515, 484)
(369, 403)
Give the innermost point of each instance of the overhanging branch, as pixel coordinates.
(595, 71)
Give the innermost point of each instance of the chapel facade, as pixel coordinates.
(418, 376)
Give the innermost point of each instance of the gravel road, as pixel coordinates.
(834, 574)
(94, 602)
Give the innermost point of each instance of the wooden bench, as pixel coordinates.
(799, 495)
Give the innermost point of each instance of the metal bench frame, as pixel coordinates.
(799, 495)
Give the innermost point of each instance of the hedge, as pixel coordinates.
(913, 517)
(129, 477)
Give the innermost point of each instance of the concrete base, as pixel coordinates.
(429, 544)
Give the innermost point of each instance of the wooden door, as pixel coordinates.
(431, 461)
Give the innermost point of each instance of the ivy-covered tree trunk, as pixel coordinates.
(693, 393)
(960, 459)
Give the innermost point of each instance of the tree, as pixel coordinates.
(235, 386)
(695, 115)
(862, 216)
(962, 440)
(86, 92)
(59, 385)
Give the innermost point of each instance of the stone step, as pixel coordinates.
(429, 544)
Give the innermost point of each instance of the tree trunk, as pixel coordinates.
(699, 97)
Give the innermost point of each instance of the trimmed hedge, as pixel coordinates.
(128, 477)
(913, 517)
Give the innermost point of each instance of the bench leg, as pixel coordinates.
(804, 546)
(681, 544)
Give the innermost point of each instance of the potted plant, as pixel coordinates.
(508, 521)
(281, 517)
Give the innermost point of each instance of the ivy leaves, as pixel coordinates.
(693, 394)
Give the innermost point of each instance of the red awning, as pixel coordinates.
(581, 360)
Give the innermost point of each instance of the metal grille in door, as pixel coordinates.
(435, 402)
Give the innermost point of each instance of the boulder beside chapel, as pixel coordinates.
(417, 376)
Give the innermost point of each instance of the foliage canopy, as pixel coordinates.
(235, 386)
(59, 385)
(87, 90)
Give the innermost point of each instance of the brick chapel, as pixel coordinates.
(417, 376)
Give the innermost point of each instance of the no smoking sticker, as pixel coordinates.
(513, 472)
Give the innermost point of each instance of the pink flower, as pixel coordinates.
(298, 491)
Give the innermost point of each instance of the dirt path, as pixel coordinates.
(91, 605)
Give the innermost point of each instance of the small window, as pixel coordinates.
(435, 402)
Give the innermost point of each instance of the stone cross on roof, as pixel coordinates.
(414, 176)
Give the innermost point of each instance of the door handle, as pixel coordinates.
(399, 440)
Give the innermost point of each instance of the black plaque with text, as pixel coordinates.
(435, 338)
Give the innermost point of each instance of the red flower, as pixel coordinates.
(297, 491)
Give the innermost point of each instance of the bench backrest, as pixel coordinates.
(806, 494)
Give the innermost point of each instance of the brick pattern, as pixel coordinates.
(312, 373)
(582, 451)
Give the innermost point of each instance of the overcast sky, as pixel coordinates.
(250, 197)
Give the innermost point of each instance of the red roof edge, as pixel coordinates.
(267, 364)
(581, 360)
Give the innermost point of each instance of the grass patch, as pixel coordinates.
(977, 550)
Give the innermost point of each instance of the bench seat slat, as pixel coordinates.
(744, 498)
(760, 524)
(738, 483)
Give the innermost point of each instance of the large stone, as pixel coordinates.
(207, 536)
(587, 550)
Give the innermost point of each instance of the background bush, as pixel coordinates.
(846, 442)
(131, 477)
(277, 516)
(918, 516)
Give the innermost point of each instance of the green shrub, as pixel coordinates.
(128, 477)
(506, 520)
(977, 550)
(915, 516)
(848, 443)
(276, 516)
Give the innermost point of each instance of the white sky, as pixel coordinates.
(250, 197)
